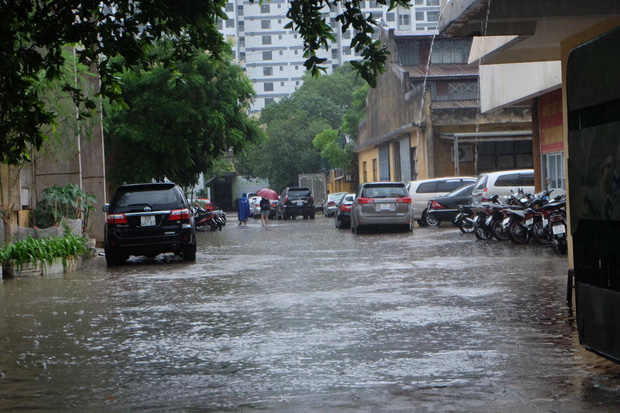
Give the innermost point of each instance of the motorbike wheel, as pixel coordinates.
(539, 233)
(466, 227)
(517, 233)
(498, 231)
(560, 245)
(482, 234)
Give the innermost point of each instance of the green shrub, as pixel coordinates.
(45, 250)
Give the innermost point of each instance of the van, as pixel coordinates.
(424, 190)
(502, 183)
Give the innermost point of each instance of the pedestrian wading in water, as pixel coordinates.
(264, 212)
(243, 209)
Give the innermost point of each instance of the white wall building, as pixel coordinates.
(273, 56)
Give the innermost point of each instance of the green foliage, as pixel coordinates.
(44, 250)
(355, 113)
(115, 35)
(59, 202)
(178, 122)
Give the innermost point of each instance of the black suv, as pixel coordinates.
(295, 201)
(149, 219)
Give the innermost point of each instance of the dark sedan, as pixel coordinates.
(446, 208)
(342, 214)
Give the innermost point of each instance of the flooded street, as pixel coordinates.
(299, 317)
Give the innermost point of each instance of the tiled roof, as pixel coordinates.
(442, 71)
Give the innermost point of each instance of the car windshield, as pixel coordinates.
(384, 191)
(136, 199)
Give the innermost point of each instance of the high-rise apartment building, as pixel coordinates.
(272, 56)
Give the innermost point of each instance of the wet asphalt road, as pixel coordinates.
(302, 317)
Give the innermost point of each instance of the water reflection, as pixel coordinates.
(300, 316)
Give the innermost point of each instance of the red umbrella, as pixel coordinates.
(268, 194)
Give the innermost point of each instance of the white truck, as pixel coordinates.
(318, 187)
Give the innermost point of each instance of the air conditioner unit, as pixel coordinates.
(466, 153)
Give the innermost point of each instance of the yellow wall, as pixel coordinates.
(566, 46)
(367, 155)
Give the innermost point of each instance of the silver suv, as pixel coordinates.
(424, 190)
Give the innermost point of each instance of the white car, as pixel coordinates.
(502, 183)
(331, 203)
(255, 206)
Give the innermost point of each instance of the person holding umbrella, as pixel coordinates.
(266, 194)
(243, 210)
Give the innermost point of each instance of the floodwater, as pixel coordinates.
(302, 317)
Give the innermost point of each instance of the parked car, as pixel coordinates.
(255, 205)
(381, 204)
(446, 208)
(205, 203)
(148, 219)
(424, 190)
(295, 201)
(502, 183)
(331, 203)
(342, 216)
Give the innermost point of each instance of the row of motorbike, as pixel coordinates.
(209, 220)
(520, 218)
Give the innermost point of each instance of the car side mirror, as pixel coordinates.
(106, 207)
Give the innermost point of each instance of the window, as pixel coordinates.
(269, 101)
(296, 51)
(241, 26)
(242, 56)
(346, 50)
(296, 67)
(364, 172)
(334, 53)
(265, 24)
(427, 187)
(268, 87)
(220, 25)
(281, 83)
(239, 10)
(374, 170)
(450, 51)
(230, 7)
(281, 52)
(297, 83)
(419, 2)
(373, 4)
(268, 71)
(242, 41)
(279, 37)
(267, 55)
(281, 68)
(432, 16)
(390, 17)
(419, 15)
(554, 170)
(449, 186)
(346, 35)
(432, 2)
(264, 8)
(404, 19)
(266, 39)
(230, 24)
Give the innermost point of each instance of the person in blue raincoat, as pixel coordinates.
(243, 209)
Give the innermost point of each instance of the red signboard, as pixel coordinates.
(551, 127)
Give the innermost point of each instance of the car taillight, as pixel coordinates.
(312, 199)
(345, 207)
(366, 201)
(179, 214)
(286, 199)
(485, 195)
(117, 219)
(331, 203)
(436, 205)
(404, 200)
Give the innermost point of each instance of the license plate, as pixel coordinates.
(384, 207)
(529, 221)
(147, 220)
(299, 202)
(559, 229)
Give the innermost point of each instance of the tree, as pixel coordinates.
(177, 122)
(115, 34)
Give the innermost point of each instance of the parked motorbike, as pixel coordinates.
(209, 220)
(554, 221)
(465, 219)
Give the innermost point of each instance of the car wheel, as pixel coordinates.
(312, 215)
(189, 253)
(420, 223)
(430, 220)
(424, 216)
(337, 222)
(113, 257)
(305, 216)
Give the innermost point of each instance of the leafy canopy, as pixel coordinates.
(116, 34)
(177, 122)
